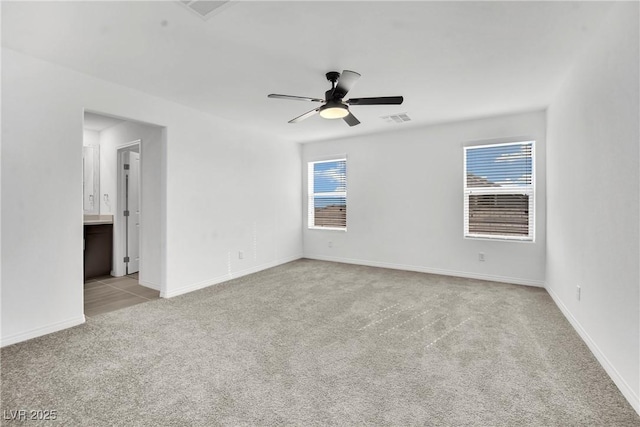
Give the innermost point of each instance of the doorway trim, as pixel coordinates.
(119, 220)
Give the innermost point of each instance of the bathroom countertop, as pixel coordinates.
(98, 219)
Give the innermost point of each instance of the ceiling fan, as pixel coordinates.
(334, 106)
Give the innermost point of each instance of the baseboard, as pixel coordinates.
(421, 269)
(625, 389)
(44, 330)
(151, 285)
(220, 279)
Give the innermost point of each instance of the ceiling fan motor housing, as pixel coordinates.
(330, 96)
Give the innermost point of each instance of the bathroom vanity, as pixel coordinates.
(98, 245)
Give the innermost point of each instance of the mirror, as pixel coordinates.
(91, 179)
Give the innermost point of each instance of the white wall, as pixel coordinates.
(593, 197)
(90, 137)
(404, 207)
(225, 189)
(152, 185)
(91, 171)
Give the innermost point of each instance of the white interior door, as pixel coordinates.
(132, 185)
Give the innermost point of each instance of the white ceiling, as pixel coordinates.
(450, 60)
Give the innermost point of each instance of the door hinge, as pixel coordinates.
(126, 259)
(125, 213)
(126, 167)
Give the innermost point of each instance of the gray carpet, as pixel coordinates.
(315, 343)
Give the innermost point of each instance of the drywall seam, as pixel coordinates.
(421, 269)
(44, 330)
(233, 275)
(618, 380)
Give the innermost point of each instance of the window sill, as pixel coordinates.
(501, 239)
(328, 228)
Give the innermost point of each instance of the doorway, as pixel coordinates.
(135, 256)
(129, 198)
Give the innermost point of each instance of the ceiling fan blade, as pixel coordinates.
(380, 100)
(345, 83)
(351, 120)
(294, 98)
(305, 115)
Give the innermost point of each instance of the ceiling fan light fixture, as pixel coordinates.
(335, 111)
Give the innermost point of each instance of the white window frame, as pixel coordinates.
(311, 195)
(529, 190)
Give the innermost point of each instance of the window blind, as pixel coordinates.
(499, 191)
(327, 194)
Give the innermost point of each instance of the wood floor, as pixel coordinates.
(105, 294)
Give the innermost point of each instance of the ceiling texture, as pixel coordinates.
(450, 60)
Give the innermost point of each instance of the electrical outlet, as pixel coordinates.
(578, 292)
(240, 255)
(330, 244)
(481, 256)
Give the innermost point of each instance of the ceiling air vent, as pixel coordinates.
(396, 118)
(204, 8)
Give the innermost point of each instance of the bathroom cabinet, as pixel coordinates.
(98, 250)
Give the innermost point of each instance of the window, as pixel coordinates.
(328, 194)
(499, 191)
